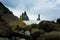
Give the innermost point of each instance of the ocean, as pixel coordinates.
(32, 22)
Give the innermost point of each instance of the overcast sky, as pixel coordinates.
(48, 9)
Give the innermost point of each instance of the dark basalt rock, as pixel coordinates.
(24, 17)
(7, 20)
(47, 26)
(58, 20)
(38, 17)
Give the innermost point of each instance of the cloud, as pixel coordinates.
(49, 9)
(10, 3)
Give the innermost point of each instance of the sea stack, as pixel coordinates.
(38, 17)
(24, 17)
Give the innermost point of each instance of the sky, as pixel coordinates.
(48, 9)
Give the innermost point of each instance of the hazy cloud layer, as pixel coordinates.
(49, 9)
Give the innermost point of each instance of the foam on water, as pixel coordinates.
(32, 22)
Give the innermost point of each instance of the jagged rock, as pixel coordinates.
(7, 19)
(38, 17)
(58, 20)
(24, 16)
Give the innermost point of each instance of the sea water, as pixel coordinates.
(32, 22)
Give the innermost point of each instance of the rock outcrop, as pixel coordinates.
(58, 20)
(47, 26)
(7, 19)
(38, 17)
(24, 17)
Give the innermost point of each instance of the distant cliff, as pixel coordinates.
(7, 19)
(24, 17)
